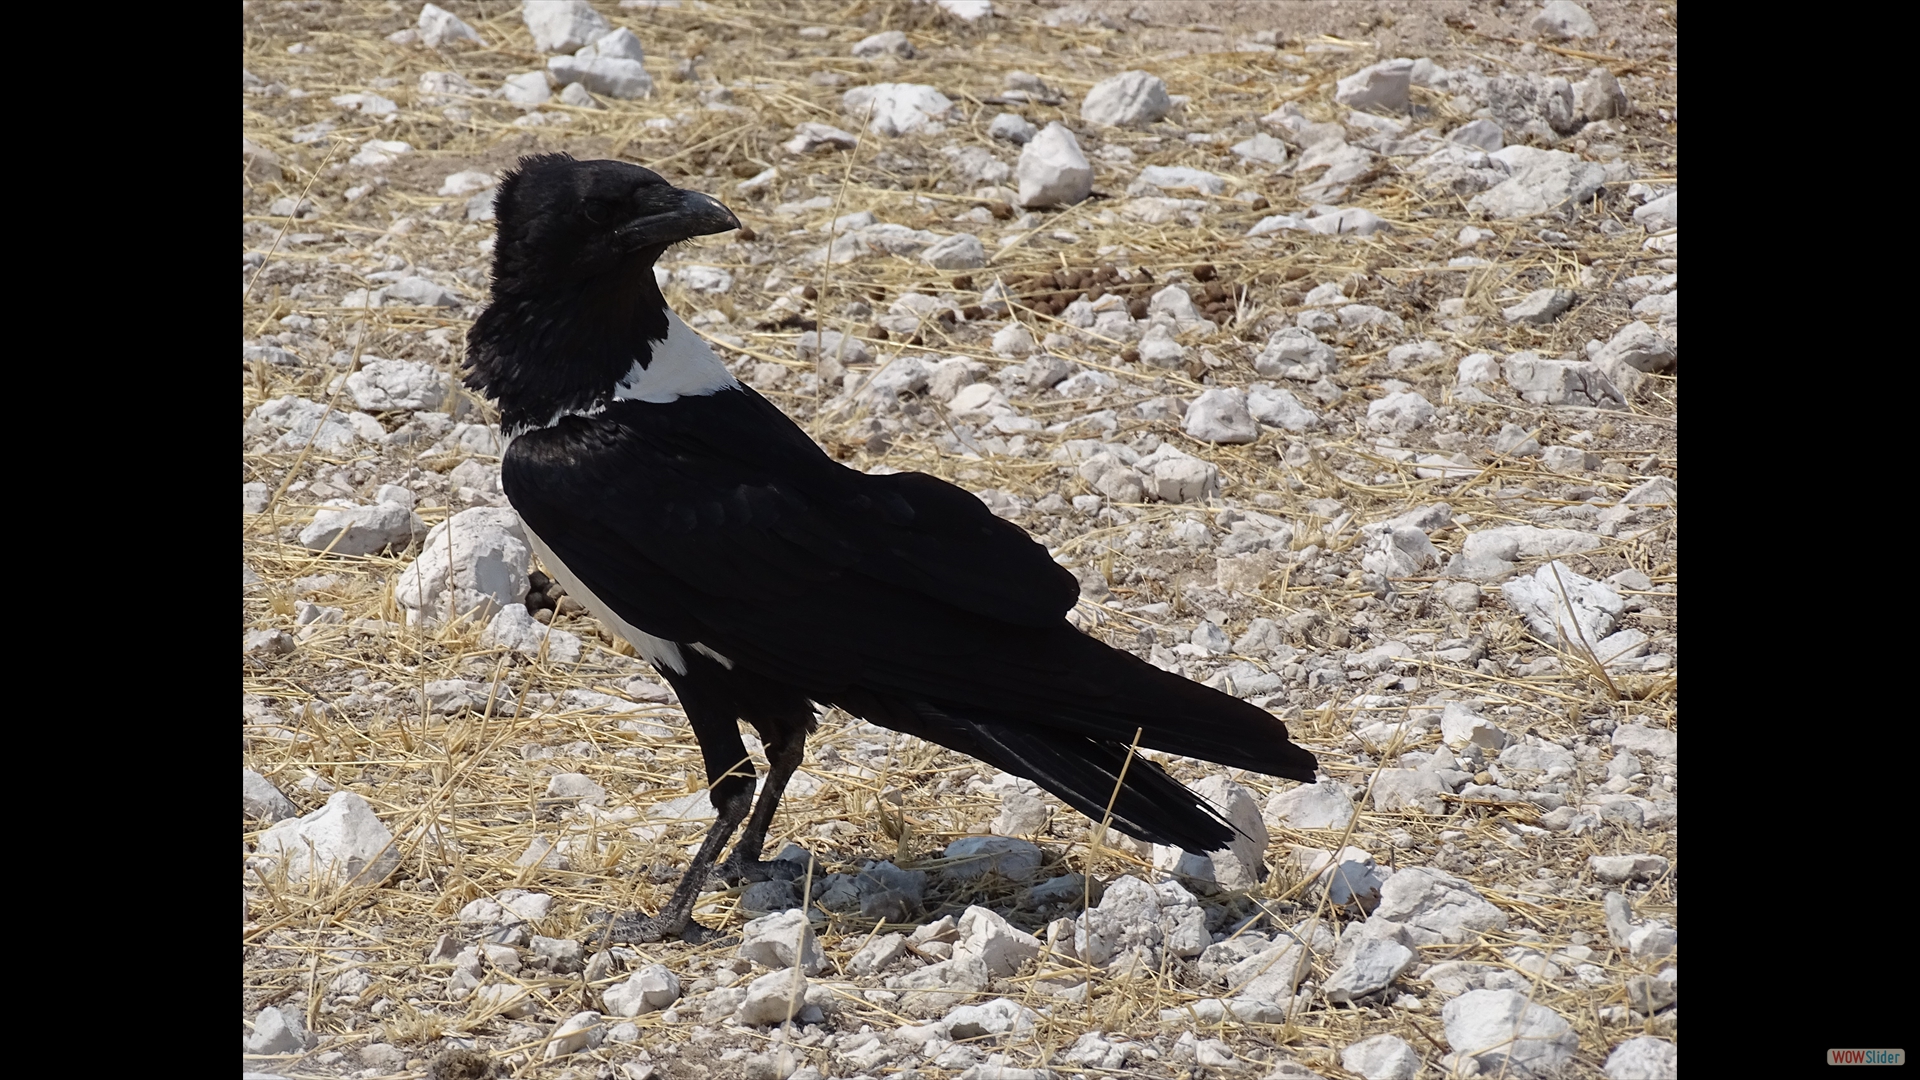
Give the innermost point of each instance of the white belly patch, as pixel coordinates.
(659, 652)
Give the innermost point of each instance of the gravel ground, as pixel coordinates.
(1333, 347)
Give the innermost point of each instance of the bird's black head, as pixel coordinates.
(562, 221)
(575, 304)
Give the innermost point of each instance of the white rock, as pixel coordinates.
(811, 136)
(277, 1032)
(439, 27)
(1563, 20)
(467, 181)
(384, 385)
(613, 76)
(1399, 412)
(1325, 805)
(773, 998)
(1011, 128)
(366, 104)
(972, 857)
(1398, 551)
(997, 1017)
(650, 989)
(1561, 382)
(1178, 177)
(343, 843)
(1052, 171)
(346, 529)
(782, 940)
(1436, 907)
(379, 153)
(1239, 864)
(1563, 607)
(620, 43)
(1135, 921)
(1477, 368)
(516, 631)
(1294, 353)
(1131, 98)
(885, 43)
(1013, 341)
(1491, 553)
(562, 25)
(1540, 181)
(1172, 476)
(1263, 148)
(1539, 307)
(1220, 416)
(1643, 1058)
(898, 108)
(706, 279)
(1660, 213)
(1001, 947)
(1279, 408)
(966, 10)
(1461, 727)
(1382, 87)
(1503, 1033)
(877, 955)
(480, 555)
(581, 1031)
(1158, 348)
(529, 89)
(1372, 967)
(1382, 1057)
(262, 800)
(955, 373)
(1616, 869)
(1482, 134)
(961, 251)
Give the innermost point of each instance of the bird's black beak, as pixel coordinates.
(696, 215)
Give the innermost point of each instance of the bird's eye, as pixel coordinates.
(600, 212)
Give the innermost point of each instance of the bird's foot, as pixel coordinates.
(634, 928)
(739, 870)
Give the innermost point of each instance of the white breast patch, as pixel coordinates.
(681, 366)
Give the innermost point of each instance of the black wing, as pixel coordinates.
(716, 520)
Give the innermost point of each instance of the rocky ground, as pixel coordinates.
(1333, 347)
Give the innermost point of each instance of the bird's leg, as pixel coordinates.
(730, 779)
(675, 919)
(786, 746)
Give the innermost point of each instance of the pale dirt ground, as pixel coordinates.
(464, 792)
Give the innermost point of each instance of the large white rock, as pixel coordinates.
(516, 631)
(887, 42)
(1382, 1057)
(650, 989)
(1129, 99)
(300, 421)
(383, 385)
(346, 529)
(1643, 1058)
(1561, 382)
(1052, 170)
(562, 25)
(343, 843)
(1563, 20)
(1179, 177)
(1239, 864)
(477, 559)
(1436, 907)
(1325, 805)
(898, 108)
(611, 75)
(1539, 182)
(1399, 412)
(782, 940)
(1377, 87)
(529, 89)
(1563, 607)
(1262, 148)
(440, 27)
(1505, 1034)
(1220, 416)
(1279, 408)
(961, 251)
(998, 944)
(1172, 476)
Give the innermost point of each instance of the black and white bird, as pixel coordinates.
(762, 578)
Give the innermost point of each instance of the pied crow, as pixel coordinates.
(762, 578)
